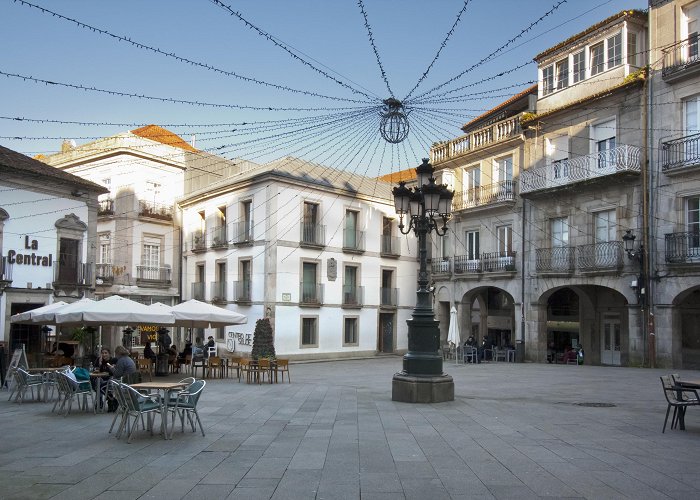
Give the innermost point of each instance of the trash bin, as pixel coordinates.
(519, 351)
(162, 364)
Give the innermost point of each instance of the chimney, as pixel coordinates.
(193, 140)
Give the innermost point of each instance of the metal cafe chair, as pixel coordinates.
(185, 406)
(678, 398)
(282, 368)
(137, 405)
(25, 381)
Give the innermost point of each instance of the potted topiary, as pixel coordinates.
(263, 340)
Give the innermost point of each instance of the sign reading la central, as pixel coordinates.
(29, 259)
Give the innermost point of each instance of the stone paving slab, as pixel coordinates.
(514, 431)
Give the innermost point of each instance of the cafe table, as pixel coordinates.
(685, 384)
(98, 377)
(166, 388)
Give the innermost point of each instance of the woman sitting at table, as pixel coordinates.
(124, 365)
(103, 361)
(148, 353)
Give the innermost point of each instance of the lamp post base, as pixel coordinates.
(422, 389)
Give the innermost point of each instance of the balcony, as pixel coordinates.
(440, 266)
(584, 168)
(198, 241)
(681, 59)
(104, 272)
(604, 256)
(242, 233)
(683, 248)
(155, 210)
(242, 291)
(467, 264)
(198, 292)
(156, 275)
(680, 154)
(353, 241)
(105, 207)
(5, 274)
(310, 294)
(481, 196)
(75, 275)
(218, 237)
(497, 262)
(312, 235)
(353, 296)
(389, 297)
(390, 246)
(481, 138)
(218, 291)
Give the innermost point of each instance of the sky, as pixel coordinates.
(321, 104)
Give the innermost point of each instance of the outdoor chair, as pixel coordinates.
(249, 370)
(234, 364)
(132, 378)
(137, 406)
(25, 381)
(265, 369)
(185, 405)
(282, 368)
(74, 390)
(113, 389)
(471, 354)
(198, 362)
(215, 366)
(173, 363)
(187, 363)
(145, 367)
(678, 398)
(499, 355)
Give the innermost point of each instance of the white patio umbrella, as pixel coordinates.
(30, 316)
(196, 314)
(453, 332)
(113, 311)
(49, 316)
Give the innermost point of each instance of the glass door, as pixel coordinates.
(610, 340)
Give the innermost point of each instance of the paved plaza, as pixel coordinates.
(514, 431)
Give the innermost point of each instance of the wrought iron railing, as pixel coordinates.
(678, 153)
(440, 266)
(389, 297)
(242, 232)
(312, 234)
(680, 56)
(155, 210)
(623, 158)
(484, 195)
(105, 272)
(353, 295)
(465, 264)
(242, 291)
(599, 256)
(390, 246)
(353, 241)
(310, 293)
(498, 261)
(683, 247)
(198, 292)
(491, 134)
(153, 273)
(105, 207)
(218, 291)
(557, 259)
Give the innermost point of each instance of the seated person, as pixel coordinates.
(569, 355)
(173, 358)
(148, 352)
(101, 366)
(186, 352)
(124, 365)
(198, 349)
(210, 343)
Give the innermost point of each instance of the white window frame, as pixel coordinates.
(548, 79)
(561, 73)
(605, 225)
(559, 227)
(505, 240)
(105, 249)
(578, 66)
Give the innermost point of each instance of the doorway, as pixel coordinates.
(610, 340)
(386, 332)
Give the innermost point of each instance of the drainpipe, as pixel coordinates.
(520, 343)
(650, 229)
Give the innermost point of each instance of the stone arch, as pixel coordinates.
(685, 336)
(488, 312)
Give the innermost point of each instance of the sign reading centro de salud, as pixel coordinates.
(29, 259)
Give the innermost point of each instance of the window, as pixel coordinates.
(597, 58)
(471, 180)
(309, 332)
(105, 255)
(446, 246)
(351, 292)
(689, 29)
(579, 66)
(547, 80)
(693, 221)
(504, 169)
(309, 223)
(631, 48)
(388, 293)
(615, 50)
(389, 245)
(309, 288)
(604, 142)
(247, 209)
(557, 150)
(219, 237)
(692, 112)
(218, 289)
(150, 255)
(245, 281)
(350, 237)
(350, 331)
(505, 241)
(560, 232)
(68, 260)
(605, 226)
(472, 240)
(562, 73)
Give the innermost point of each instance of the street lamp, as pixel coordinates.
(636, 254)
(428, 207)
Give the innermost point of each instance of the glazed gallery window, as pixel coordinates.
(597, 52)
(548, 80)
(614, 50)
(562, 68)
(309, 332)
(579, 72)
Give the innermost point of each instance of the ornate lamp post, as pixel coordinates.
(648, 328)
(427, 207)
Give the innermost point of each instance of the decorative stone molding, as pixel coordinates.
(71, 222)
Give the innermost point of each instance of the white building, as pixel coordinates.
(48, 224)
(315, 249)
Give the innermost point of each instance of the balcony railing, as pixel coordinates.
(390, 246)
(353, 241)
(310, 294)
(557, 259)
(153, 274)
(599, 256)
(242, 232)
(566, 172)
(72, 275)
(104, 272)
(218, 237)
(472, 141)
(683, 248)
(5, 270)
(440, 266)
(467, 264)
(198, 241)
(242, 291)
(679, 153)
(155, 210)
(484, 195)
(105, 207)
(681, 57)
(495, 262)
(353, 296)
(388, 297)
(218, 291)
(312, 234)
(198, 291)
